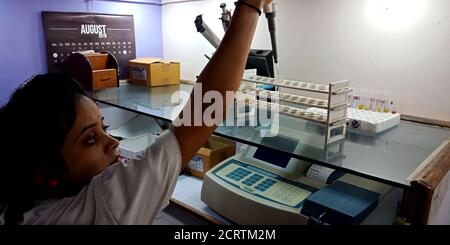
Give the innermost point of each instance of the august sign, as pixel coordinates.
(66, 33)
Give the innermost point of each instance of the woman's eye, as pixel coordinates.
(91, 139)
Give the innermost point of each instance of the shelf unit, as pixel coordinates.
(336, 103)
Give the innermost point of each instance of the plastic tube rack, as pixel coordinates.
(336, 103)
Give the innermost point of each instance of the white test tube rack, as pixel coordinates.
(336, 105)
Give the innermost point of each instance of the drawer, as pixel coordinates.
(104, 79)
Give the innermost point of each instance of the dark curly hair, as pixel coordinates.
(33, 127)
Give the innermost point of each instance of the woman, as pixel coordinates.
(61, 167)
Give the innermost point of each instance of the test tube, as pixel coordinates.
(389, 102)
(356, 100)
(395, 103)
(366, 99)
(379, 104)
(360, 102)
(373, 100)
(384, 103)
(350, 98)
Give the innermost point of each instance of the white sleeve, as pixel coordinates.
(136, 191)
(131, 192)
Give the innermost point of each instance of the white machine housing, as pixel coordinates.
(281, 202)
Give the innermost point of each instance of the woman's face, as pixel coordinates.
(88, 149)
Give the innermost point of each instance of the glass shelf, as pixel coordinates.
(389, 157)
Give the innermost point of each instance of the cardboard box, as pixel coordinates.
(153, 72)
(213, 152)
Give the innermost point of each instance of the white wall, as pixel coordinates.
(397, 45)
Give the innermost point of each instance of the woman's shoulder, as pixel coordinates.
(56, 210)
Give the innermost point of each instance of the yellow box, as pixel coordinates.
(153, 72)
(213, 152)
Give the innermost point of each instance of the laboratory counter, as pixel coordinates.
(395, 157)
(391, 157)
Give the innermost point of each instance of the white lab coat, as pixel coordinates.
(128, 192)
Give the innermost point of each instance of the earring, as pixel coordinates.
(53, 183)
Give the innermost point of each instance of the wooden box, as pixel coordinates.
(94, 71)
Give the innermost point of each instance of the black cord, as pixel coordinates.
(249, 5)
